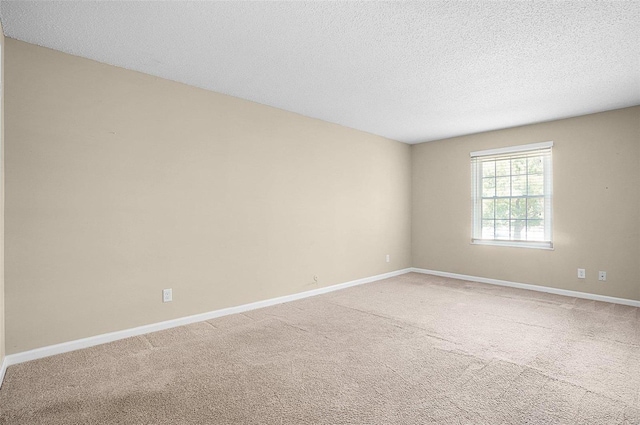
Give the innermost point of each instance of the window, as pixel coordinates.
(512, 195)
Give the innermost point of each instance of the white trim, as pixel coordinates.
(3, 369)
(514, 244)
(512, 149)
(530, 287)
(91, 341)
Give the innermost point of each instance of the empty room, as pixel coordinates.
(352, 212)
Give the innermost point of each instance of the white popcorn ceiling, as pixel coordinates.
(410, 71)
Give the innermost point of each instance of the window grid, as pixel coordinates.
(511, 221)
(512, 196)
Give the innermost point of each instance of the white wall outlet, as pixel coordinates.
(167, 295)
(581, 274)
(388, 258)
(602, 276)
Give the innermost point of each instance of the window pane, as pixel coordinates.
(503, 168)
(518, 208)
(488, 169)
(487, 229)
(535, 230)
(510, 205)
(502, 208)
(518, 185)
(535, 208)
(536, 185)
(502, 229)
(488, 187)
(503, 186)
(518, 230)
(535, 165)
(519, 166)
(488, 208)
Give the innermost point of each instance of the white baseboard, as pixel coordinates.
(3, 369)
(65, 347)
(78, 344)
(550, 290)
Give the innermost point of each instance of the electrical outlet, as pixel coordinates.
(167, 295)
(388, 258)
(581, 274)
(602, 276)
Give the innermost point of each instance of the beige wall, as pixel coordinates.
(120, 184)
(596, 182)
(2, 329)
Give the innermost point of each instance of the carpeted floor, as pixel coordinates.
(414, 349)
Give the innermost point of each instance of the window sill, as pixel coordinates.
(514, 244)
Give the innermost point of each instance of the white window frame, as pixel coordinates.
(476, 189)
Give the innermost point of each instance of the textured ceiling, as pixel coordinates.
(410, 71)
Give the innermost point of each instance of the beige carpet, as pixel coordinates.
(414, 349)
